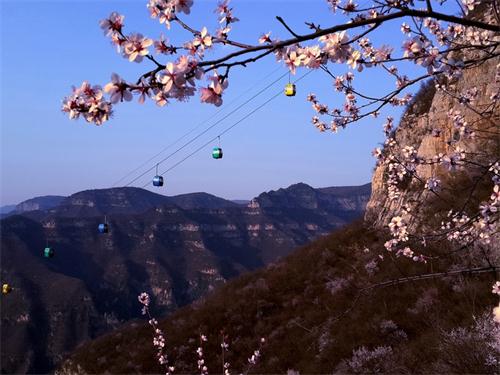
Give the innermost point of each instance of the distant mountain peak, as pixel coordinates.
(39, 203)
(302, 195)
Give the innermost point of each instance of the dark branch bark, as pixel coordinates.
(287, 27)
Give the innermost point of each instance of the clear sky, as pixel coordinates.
(48, 46)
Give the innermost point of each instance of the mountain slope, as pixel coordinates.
(178, 248)
(316, 317)
(108, 202)
(6, 209)
(39, 203)
(201, 200)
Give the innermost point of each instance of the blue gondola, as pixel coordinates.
(103, 228)
(157, 180)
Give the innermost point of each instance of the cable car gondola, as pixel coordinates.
(6, 289)
(290, 89)
(157, 180)
(48, 252)
(217, 151)
(103, 228)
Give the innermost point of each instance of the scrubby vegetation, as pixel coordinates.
(320, 311)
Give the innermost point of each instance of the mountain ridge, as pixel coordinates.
(178, 254)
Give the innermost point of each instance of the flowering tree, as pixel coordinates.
(441, 47)
(428, 43)
(159, 343)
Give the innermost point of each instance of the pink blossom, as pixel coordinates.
(496, 313)
(225, 13)
(405, 29)
(203, 40)
(118, 89)
(293, 59)
(470, 4)
(354, 60)
(312, 57)
(136, 47)
(350, 7)
(183, 6)
(265, 38)
(336, 46)
(170, 77)
(87, 101)
(412, 47)
(144, 298)
(496, 288)
(213, 93)
(161, 98)
(161, 46)
(144, 91)
(113, 24)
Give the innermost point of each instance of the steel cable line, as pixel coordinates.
(195, 128)
(229, 128)
(208, 129)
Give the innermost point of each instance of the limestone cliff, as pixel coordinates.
(428, 127)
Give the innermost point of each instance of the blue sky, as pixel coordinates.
(48, 46)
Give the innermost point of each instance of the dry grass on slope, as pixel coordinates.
(309, 309)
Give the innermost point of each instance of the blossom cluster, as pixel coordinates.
(201, 361)
(159, 340)
(428, 44)
(174, 80)
(133, 47)
(483, 226)
(225, 18)
(88, 101)
(165, 10)
(253, 359)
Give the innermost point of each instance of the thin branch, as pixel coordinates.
(287, 27)
(347, 26)
(429, 6)
(427, 276)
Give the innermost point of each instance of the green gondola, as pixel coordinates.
(217, 153)
(48, 252)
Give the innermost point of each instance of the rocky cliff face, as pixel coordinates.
(38, 203)
(177, 248)
(429, 116)
(315, 320)
(343, 200)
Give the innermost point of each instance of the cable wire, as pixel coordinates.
(209, 128)
(229, 128)
(195, 128)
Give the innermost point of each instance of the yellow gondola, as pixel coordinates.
(6, 289)
(290, 89)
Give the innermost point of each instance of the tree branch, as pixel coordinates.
(287, 27)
